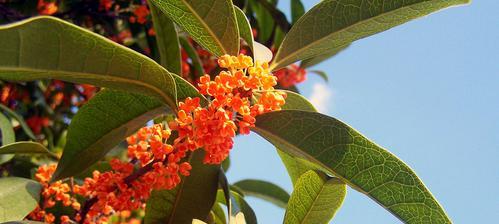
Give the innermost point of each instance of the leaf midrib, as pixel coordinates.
(166, 98)
(276, 64)
(224, 51)
(315, 199)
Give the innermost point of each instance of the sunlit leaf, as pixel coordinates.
(211, 23)
(18, 197)
(47, 47)
(332, 24)
(8, 136)
(7, 131)
(167, 40)
(346, 154)
(244, 27)
(315, 199)
(103, 122)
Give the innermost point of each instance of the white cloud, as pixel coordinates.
(321, 97)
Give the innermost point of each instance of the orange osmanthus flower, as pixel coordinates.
(239, 93)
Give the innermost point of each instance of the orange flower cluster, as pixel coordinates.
(46, 7)
(291, 75)
(236, 96)
(140, 14)
(51, 194)
(116, 192)
(231, 92)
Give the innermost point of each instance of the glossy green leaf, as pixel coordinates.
(24, 148)
(295, 101)
(167, 40)
(47, 47)
(315, 199)
(264, 190)
(345, 153)
(211, 23)
(244, 26)
(19, 119)
(101, 124)
(193, 198)
(296, 166)
(297, 10)
(307, 63)
(331, 24)
(18, 197)
(8, 136)
(7, 131)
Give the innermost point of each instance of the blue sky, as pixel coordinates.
(428, 91)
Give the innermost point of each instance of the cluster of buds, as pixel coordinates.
(56, 192)
(290, 75)
(239, 93)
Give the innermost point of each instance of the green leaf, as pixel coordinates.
(218, 214)
(315, 200)
(244, 27)
(47, 47)
(7, 131)
(244, 207)
(193, 198)
(345, 153)
(322, 74)
(278, 16)
(264, 190)
(307, 63)
(19, 119)
(297, 10)
(223, 183)
(193, 55)
(226, 164)
(240, 205)
(295, 101)
(331, 24)
(167, 40)
(264, 20)
(8, 136)
(18, 197)
(102, 123)
(24, 148)
(211, 23)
